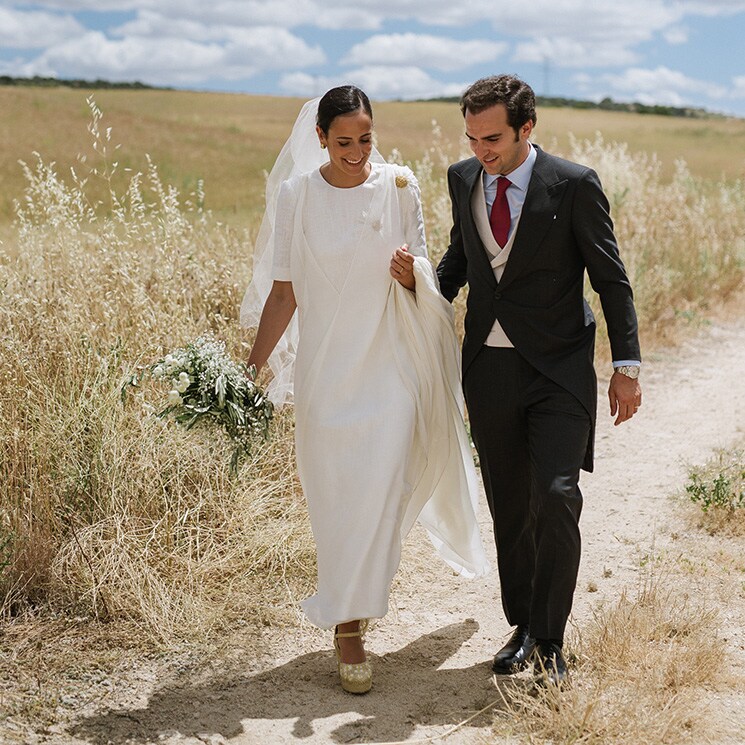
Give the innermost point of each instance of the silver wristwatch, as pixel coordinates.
(630, 371)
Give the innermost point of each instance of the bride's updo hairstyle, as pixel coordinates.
(346, 99)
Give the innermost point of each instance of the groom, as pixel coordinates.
(526, 227)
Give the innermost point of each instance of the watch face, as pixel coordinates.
(630, 371)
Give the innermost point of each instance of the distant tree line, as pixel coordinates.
(41, 82)
(608, 104)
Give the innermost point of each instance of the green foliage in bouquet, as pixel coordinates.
(206, 384)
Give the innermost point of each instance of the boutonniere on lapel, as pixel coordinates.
(402, 182)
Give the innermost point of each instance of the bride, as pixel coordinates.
(372, 360)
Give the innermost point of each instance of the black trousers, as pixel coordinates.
(531, 436)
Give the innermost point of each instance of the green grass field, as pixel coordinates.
(229, 140)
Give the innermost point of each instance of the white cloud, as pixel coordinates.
(602, 20)
(379, 82)
(663, 84)
(565, 52)
(425, 50)
(72, 5)
(35, 29)
(308, 86)
(271, 48)
(148, 23)
(676, 35)
(177, 61)
(402, 82)
(661, 97)
(93, 55)
(572, 33)
(267, 47)
(738, 87)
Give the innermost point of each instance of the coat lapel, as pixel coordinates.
(470, 174)
(545, 191)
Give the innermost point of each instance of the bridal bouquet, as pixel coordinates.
(206, 384)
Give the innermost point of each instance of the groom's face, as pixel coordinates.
(497, 146)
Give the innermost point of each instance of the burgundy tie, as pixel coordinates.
(499, 218)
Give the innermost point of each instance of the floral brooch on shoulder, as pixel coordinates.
(402, 182)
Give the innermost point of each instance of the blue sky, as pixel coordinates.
(679, 52)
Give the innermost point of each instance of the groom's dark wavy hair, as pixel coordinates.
(345, 99)
(515, 94)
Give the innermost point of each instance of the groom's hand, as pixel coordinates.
(625, 396)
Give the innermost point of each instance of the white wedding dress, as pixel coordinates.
(380, 438)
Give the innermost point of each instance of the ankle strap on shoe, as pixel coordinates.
(347, 634)
(361, 629)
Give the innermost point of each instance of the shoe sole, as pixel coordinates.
(357, 690)
(516, 668)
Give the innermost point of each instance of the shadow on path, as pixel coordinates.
(409, 690)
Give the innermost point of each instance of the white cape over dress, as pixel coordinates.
(380, 437)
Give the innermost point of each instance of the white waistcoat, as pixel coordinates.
(497, 256)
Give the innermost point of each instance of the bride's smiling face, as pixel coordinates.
(349, 142)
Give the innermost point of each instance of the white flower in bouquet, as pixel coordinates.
(183, 383)
(205, 383)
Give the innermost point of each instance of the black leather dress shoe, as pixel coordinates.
(549, 665)
(515, 654)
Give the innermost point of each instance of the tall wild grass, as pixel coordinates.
(107, 511)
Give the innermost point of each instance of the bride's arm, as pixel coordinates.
(278, 311)
(412, 221)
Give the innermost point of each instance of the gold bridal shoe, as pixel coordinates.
(355, 677)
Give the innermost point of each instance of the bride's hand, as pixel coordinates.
(402, 267)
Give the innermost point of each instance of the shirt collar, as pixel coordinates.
(520, 177)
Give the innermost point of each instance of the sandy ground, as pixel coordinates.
(432, 652)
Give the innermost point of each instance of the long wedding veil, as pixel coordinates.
(300, 154)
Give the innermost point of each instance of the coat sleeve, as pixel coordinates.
(451, 271)
(593, 229)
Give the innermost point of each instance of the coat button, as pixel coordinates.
(497, 295)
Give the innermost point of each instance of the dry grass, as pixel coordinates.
(106, 511)
(642, 669)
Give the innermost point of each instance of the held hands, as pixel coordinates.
(625, 396)
(402, 267)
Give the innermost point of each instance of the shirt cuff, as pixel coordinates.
(620, 363)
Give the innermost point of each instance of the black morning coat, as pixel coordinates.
(565, 228)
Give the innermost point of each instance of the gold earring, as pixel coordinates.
(323, 146)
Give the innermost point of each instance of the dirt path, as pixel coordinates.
(432, 651)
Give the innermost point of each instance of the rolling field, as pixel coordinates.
(229, 140)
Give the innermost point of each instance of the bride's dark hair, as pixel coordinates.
(339, 101)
